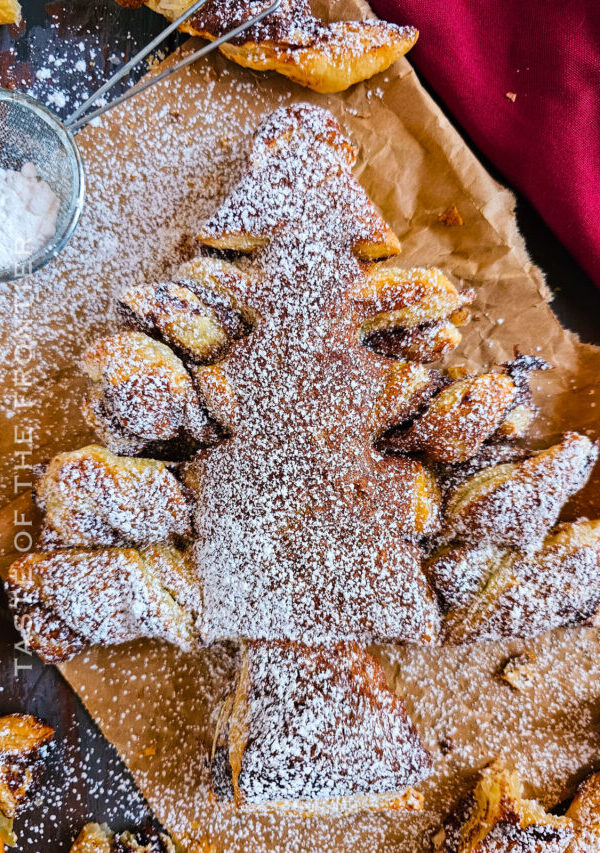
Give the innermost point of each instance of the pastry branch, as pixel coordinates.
(450, 416)
(493, 593)
(67, 600)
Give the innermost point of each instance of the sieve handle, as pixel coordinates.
(77, 120)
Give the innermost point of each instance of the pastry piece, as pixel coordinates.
(291, 41)
(584, 811)
(409, 388)
(10, 12)
(178, 316)
(496, 818)
(94, 838)
(298, 147)
(429, 342)
(92, 497)
(454, 424)
(305, 532)
(519, 671)
(197, 315)
(513, 505)
(509, 594)
(23, 745)
(144, 398)
(315, 730)
(223, 286)
(65, 601)
(410, 312)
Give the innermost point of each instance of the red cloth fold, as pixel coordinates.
(479, 54)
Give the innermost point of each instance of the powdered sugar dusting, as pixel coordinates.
(135, 227)
(300, 700)
(303, 529)
(452, 692)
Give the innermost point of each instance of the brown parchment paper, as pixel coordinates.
(157, 706)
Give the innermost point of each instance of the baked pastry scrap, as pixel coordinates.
(496, 818)
(291, 41)
(67, 600)
(584, 811)
(23, 745)
(315, 730)
(94, 838)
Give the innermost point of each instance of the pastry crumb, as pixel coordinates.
(451, 217)
(519, 671)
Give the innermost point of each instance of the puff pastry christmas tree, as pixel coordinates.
(323, 455)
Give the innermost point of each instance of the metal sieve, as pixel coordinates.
(30, 132)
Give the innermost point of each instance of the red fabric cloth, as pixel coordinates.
(546, 142)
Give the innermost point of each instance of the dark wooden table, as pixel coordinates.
(85, 778)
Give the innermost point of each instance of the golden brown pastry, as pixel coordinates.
(332, 704)
(450, 420)
(297, 139)
(179, 316)
(291, 41)
(144, 399)
(303, 530)
(409, 313)
(67, 600)
(23, 745)
(10, 12)
(491, 593)
(513, 505)
(92, 497)
(326, 520)
(197, 315)
(495, 818)
(94, 838)
(584, 811)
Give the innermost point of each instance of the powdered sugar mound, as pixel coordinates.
(28, 211)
